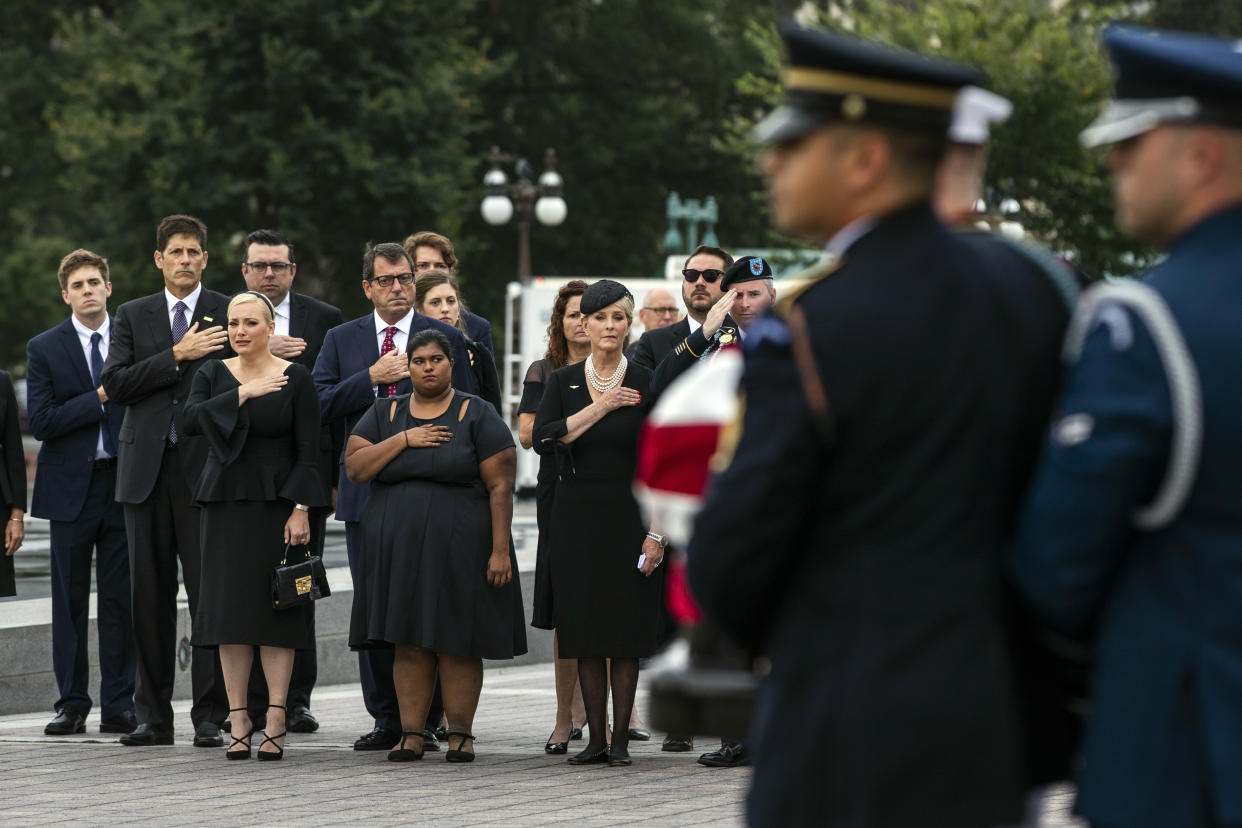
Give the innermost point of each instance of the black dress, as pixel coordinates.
(262, 460)
(427, 536)
(601, 604)
(545, 485)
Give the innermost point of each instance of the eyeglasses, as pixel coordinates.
(278, 268)
(385, 282)
(662, 311)
(709, 276)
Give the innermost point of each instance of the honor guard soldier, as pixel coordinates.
(1132, 536)
(892, 416)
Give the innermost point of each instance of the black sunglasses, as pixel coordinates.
(709, 276)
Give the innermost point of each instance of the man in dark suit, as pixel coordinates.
(158, 343)
(75, 490)
(432, 251)
(700, 293)
(362, 360)
(301, 325)
(894, 409)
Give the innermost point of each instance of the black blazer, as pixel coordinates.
(65, 414)
(686, 352)
(311, 319)
(142, 374)
(654, 345)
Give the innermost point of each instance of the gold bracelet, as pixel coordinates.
(18, 520)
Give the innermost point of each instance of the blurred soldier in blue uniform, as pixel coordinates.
(893, 413)
(1132, 536)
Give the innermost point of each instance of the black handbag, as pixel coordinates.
(295, 584)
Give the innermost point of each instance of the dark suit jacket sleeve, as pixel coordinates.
(486, 378)
(125, 381)
(14, 456)
(749, 537)
(641, 353)
(463, 374)
(340, 396)
(50, 419)
(550, 420)
(481, 332)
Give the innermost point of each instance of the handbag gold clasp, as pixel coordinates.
(303, 584)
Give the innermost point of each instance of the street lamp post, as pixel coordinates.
(528, 200)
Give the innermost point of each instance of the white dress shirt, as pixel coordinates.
(283, 315)
(694, 323)
(84, 337)
(191, 302)
(399, 338)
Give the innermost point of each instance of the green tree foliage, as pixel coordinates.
(338, 123)
(1049, 62)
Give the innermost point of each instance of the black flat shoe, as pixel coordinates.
(207, 735)
(146, 736)
(378, 739)
(301, 720)
(678, 744)
(590, 756)
(403, 754)
(124, 723)
(639, 735)
(619, 758)
(575, 733)
(66, 723)
(732, 755)
(457, 754)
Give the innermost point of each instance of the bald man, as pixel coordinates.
(659, 309)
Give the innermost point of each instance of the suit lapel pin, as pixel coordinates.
(572, 387)
(208, 319)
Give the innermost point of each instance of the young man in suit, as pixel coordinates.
(700, 292)
(362, 360)
(158, 343)
(302, 323)
(431, 251)
(75, 490)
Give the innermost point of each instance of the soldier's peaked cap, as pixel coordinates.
(834, 76)
(1167, 77)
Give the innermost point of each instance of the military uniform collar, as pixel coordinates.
(1226, 222)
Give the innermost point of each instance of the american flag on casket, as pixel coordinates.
(676, 448)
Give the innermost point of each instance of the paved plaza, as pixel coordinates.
(91, 779)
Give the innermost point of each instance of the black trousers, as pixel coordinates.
(305, 662)
(98, 529)
(163, 530)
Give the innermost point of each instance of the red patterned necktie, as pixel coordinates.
(390, 389)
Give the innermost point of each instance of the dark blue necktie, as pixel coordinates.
(179, 327)
(97, 364)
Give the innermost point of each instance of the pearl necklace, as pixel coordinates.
(602, 385)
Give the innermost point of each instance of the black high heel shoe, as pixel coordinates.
(556, 748)
(457, 754)
(270, 756)
(239, 740)
(575, 733)
(401, 754)
(590, 756)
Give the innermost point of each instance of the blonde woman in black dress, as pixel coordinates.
(260, 416)
(605, 600)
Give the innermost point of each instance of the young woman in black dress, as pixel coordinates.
(437, 294)
(605, 600)
(438, 556)
(260, 416)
